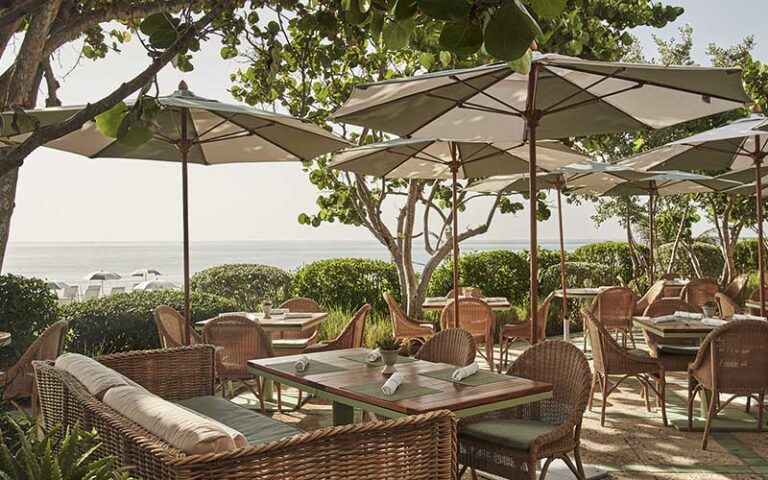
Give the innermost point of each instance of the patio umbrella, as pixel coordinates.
(154, 285)
(560, 97)
(192, 129)
(101, 276)
(740, 145)
(434, 158)
(145, 272)
(54, 285)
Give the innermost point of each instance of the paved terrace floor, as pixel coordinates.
(634, 444)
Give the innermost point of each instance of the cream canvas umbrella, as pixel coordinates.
(155, 285)
(740, 145)
(192, 129)
(435, 158)
(101, 276)
(145, 273)
(560, 97)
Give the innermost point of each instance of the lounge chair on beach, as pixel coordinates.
(93, 291)
(69, 295)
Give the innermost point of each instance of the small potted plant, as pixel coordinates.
(709, 309)
(389, 348)
(266, 307)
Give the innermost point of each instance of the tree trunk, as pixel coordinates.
(7, 203)
(678, 239)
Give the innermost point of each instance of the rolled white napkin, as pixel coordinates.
(746, 316)
(301, 364)
(664, 319)
(390, 386)
(464, 372)
(373, 356)
(713, 322)
(689, 315)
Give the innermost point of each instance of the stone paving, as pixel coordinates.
(634, 444)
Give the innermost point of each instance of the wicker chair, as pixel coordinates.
(655, 292)
(404, 327)
(726, 306)
(669, 276)
(492, 443)
(700, 291)
(170, 328)
(522, 331)
(674, 353)
(472, 292)
(610, 358)
(614, 308)
(453, 346)
(239, 340)
(755, 297)
(476, 317)
(735, 289)
(732, 360)
(353, 335)
(293, 342)
(19, 381)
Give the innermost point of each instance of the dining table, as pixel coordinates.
(681, 328)
(577, 293)
(291, 322)
(439, 303)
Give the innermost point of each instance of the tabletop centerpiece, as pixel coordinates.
(390, 349)
(710, 309)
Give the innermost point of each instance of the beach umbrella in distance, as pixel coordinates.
(145, 272)
(740, 146)
(559, 97)
(434, 158)
(154, 285)
(101, 276)
(55, 285)
(192, 129)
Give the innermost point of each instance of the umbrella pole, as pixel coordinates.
(454, 177)
(532, 117)
(184, 146)
(559, 186)
(650, 233)
(758, 158)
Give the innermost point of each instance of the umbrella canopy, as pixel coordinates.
(101, 276)
(192, 129)
(145, 272)
(153, 285)
(54, 285)
(434, 158)
(560, 97)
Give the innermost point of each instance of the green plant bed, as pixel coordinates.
(377, 325)
(246, 284)
(615, 255)
(498, 273)
(710, 259)
(126, 322)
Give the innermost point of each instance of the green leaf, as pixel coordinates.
(228, 52)
(445, 58)
(427, 60)
(405, 9)
(548, 8)
(523, 64)
(353, 12)
(163, 39)
(455, 10)
(510, 31)
(377, 25)
(109, 122)
(461, 38)
(157, 22)
(133, 131)
(397, 34)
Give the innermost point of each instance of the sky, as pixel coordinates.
(66, 198)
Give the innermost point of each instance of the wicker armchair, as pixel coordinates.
(476, 317)
(413, 448)
(353, 335)
(404, 327)
(732, 360)
(669, 276)
(239, 340)
(610, 358)
(293, 342)
(453, 346)
(726, 306)
(755, 297)
(170, 328)
(735, 289)
(700, 291)
(614, 308)
(19, 381)
(522, 331)
(674, 353)
(472, 292)
(655, 292)
(551, 429)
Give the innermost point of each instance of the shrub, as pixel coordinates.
(546, 257)
(27, 307)
(611, 254)
(498, 273)
(347, 283)
(710, 259)
(745, 255)
(246, 284)
(125, 321)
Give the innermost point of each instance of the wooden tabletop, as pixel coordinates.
(5, 339)
(580, 292)
(278, 323)
(496, 303)
(676, 329)
(461, 399)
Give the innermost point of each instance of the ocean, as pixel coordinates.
(70, 262)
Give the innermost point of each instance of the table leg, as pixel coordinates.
(566, 329)
(343, 414)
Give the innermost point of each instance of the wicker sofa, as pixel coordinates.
(417, 447)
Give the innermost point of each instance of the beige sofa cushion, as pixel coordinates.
(95, 377)
(181, 428)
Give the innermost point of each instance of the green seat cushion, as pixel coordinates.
(290, 342)
(688, 350)
(512, 433)
(256, 427)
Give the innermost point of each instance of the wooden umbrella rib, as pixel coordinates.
(580, 90)
(253, 132)
(594, 99)
(485, 93)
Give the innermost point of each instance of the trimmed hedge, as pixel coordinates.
(745, 255)
(125, 321)
(347, 283)
(246, 284)
(615, 255)
(27, 308)
(710, 258)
